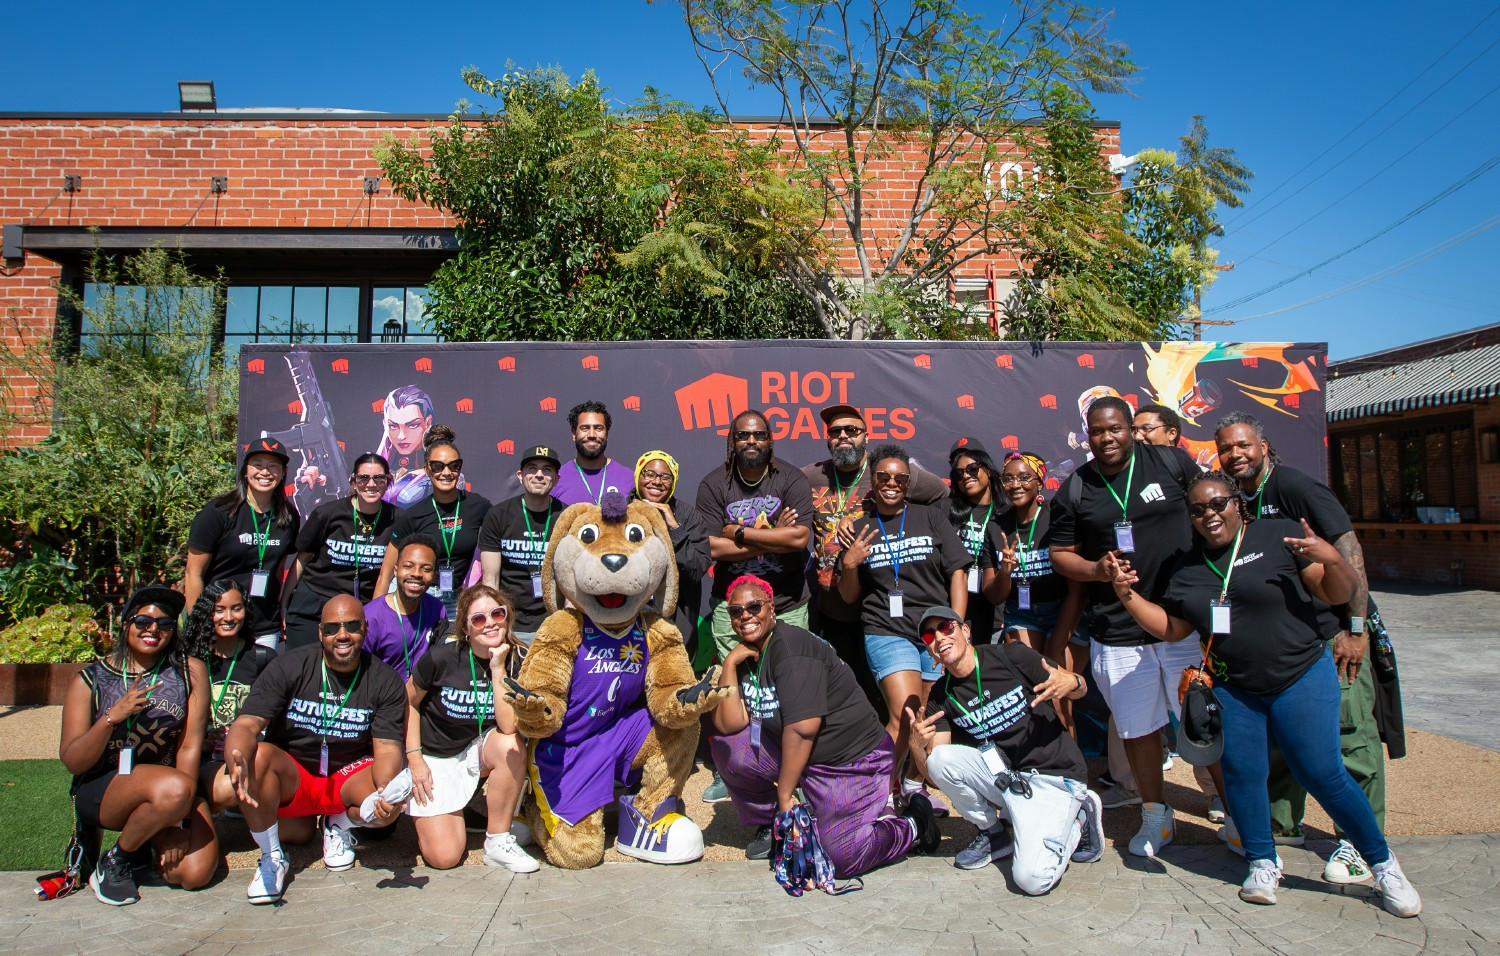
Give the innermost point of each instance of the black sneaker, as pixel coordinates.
(919, 812)
(996, 843)
(760, 846)
(113, 882)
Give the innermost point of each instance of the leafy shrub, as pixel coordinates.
(59, 635)
(30, 585)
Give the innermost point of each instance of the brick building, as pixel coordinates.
(1414, 454)
(288, 204)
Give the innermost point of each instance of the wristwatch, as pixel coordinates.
(1079, 679)
(739, 537)
(1356, 625)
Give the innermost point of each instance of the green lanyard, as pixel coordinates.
(1129, 477)
(978, 685)
(482, 705)
(233, 663)
(325, 723)
(367, 530)
(125, 684)
(416, 631)
(1224, 575)
(603, 480)
(755, 671)
(978, 539)
(546, 531)
(260, 559)
(1260, 490)
(448, 539)
(841, 495)
(1030, 537)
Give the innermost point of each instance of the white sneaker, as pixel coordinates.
(1158, 827)
(521, 832)
(269, 881)
(1346, 865)
(1260, 885)
(1115, 796)
(1396, 892)
(500, 849)
(1216, 812)
(338, 842)
(1091, 823)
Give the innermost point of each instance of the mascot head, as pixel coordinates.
(609, 559)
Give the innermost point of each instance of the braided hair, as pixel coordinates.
(734, 426)
(1230, 486)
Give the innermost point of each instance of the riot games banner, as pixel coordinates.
(331, 403)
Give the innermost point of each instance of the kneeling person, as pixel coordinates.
(991, 740)
(334, 721)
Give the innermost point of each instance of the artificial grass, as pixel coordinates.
(36, 815)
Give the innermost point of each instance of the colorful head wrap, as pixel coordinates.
(640, 466)
(1031, 461)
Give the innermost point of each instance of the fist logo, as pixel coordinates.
(506, 447)
(294, 407)
(1011, 442)
(256, 366)
(1004, 361)
(341, 366)
(507, 363)
(549, 404)
(1133, 400)
(922, 361)
(1085, 361)
(1053, 484)
(465, 405)
(966, 401)
(632, 403)
(342, 447)
(424, 364)
(712, 401)
(591, 363)
(378, 406)
(1292, 401)
(1250, 362)
(1049, 401)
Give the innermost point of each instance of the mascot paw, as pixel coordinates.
(524, 702)
(668, 837)
(696, 693)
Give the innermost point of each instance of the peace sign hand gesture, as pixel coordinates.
(1009, 552)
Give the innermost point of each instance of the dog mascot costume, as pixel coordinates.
(607, 694)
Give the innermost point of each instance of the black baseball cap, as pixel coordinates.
(840, 410)
(967, 444)
(939, 614)
(265, 446)
(543, 452)
(1200, 737)
(159, 594)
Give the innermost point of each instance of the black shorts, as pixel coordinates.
(89, 796)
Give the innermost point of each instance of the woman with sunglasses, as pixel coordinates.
(798, 719)
(656, 485)
(132, 733)
(1248, 588)
(452, 516)
(248, 534)
(458, 732)
(340, 549)
(904, 557)
(974, 506)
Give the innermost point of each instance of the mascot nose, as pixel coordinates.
(614, 561)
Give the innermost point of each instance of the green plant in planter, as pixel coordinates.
(61, 634)
(30, 585)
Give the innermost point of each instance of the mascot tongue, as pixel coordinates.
(610, 600)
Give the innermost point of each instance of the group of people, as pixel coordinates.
(874, 622)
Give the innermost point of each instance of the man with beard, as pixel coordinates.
(759, 512)
(587, 477)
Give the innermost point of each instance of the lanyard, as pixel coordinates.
(416, 631)
(1129, 477)
(1030, 537)
(482, 705)
(978, 686)
(894, 552)
(978, 539)
(755, 670)
(1224, 575)
(1261, 488)
(603, 480)
(841, 495)
(125, 684)
(233, 663)
(367, 530)
(448, 539)
(546, 531)
(260, 559)
(325, 723)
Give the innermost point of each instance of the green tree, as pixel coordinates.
(142, 424)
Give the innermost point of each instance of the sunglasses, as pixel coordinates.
(1217, 505)
(758, 435)
(330, 628)
(364, 480)
(945, 628)
(740, 610)
(842, 431)
(655, 478)
(497, 614)
(438, 467)
(971, 470)
(1009, 480)
(145, 622)
(886, 478)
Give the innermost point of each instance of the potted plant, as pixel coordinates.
(40, 655)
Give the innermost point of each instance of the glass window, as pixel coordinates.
(399, 314)
(279, 313)
(132, 315)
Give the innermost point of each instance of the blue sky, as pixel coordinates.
(1280, 83)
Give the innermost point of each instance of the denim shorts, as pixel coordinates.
(889, 654)
(1042, 618)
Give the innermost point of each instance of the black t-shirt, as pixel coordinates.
(233, 544)
(927, 552)
(340, 543)
(973, 529)
(289, 696)
(1294, 495)
(229, 682)
(992, 703)
(1156, 506)
(457, 538)
(1274, 635)
(520, 535)
(800, 676)
(450, 720)
(727, 500)
(1034, 554)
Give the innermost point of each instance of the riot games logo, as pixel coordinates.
(790, 400)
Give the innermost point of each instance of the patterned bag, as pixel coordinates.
(797, 857)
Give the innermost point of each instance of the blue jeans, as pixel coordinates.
(1303, 720)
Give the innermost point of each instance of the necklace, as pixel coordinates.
(747, 483)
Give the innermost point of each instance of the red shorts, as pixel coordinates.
(319, 796)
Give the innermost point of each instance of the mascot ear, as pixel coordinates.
(565, 522)
(666, 591)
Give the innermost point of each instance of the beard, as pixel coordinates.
(752, 457)
(583, 452)
(847, 456)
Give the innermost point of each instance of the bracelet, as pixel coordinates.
(415, 750)
(105, 715)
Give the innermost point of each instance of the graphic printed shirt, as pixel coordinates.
(1035, 567)
(924, 550)
(521, 546)
(157, 730)
(455, 697)
(233, 545)
(228, 686)
(609, 681)
(727, 500)
(339, 542)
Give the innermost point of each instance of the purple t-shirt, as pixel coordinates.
(576, 484)
(401, 640)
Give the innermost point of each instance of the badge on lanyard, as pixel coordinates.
(1023, 596)
(1124, 536)
(755, 732)
(536, 584)
(1219, 616)
(897, 604)
(259, 581)
(973, 580)
(127, 760)
(993, 761)
(445, 579)
(323, 759)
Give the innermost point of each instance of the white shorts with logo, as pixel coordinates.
(1140, 683)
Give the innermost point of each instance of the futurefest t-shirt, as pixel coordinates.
(341, 543)
(519, 536)
(1033, 554)
(921, 548)
(457, 698)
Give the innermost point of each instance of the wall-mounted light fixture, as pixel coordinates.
(196, 95)
(218, 184)
(372, 185)
(72, 184)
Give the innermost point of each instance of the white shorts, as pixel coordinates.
(454, 780)
(1140, 683)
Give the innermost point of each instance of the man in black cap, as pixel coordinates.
(513, 539)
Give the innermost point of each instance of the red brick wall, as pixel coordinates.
(1426, 556)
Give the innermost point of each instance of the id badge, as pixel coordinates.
(1124, 536)
(897, 604)
(755, 732)
(259, 580)
(323, 759)
(127, 760)
(1023, 596)
(1219, 616)
(536, 584)
(973, 580)
(445, 579)
(993, 762)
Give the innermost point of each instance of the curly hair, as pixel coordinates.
(198, 631)
(1230, 486)
(890, 450)
(439, 435)
(584, 408)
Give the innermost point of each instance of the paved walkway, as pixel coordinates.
(1186, 902)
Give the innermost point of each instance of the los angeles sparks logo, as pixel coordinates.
(790, 401)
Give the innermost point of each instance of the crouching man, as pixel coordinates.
(992, 742)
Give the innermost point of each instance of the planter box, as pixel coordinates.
(36, 684)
